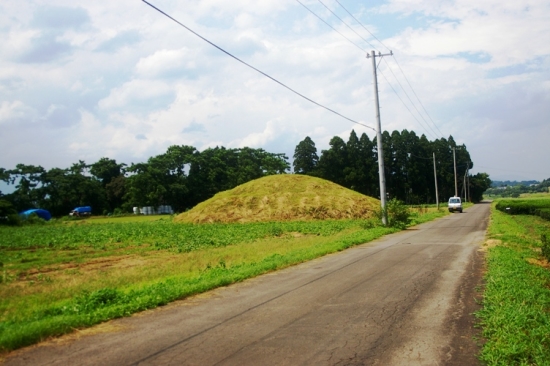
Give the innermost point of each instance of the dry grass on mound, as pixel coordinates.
(283, 198)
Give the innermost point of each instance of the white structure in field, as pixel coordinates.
(150, 210)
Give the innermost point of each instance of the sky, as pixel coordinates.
(82, 80)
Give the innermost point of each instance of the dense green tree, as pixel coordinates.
(105, 170)
(209, 173)
(8, 214)
(479, 183)
(6, 208)
(333, 161)
(27, 181)
(112, 179)
(305, 157)
(160, 181)
(65, 189)
(115, 191)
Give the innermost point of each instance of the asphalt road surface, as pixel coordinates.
(401, 300)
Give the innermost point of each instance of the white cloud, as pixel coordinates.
(258, 140)
(165, 63)
(16, 110)
(135, 92)
(126, 82)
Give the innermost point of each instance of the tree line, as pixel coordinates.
(515, 189)
(183, 176)
(408, 164)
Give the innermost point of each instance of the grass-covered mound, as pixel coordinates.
(283, 198)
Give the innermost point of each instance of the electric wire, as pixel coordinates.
(347, 25)
(396, 62)
(419, 101)
(361, 24)
(334, 29)
(410, 100)
(404, 90)
(391, 86)
(255, 69)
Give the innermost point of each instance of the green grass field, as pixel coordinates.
(516, 308)
(59, 277)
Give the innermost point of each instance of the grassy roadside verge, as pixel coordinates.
(515, 317)
(52, 289)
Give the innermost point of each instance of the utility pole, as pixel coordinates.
(468, 180)
(379, 137)
(454, 161)
(435, 178)
(465, 192)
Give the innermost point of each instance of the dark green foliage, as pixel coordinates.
(545, 248)
(8, 215)
(409, 170)
(479, 183)
(544, 213)
(305, 157)
(333, 161)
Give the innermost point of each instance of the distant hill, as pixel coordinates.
(283, 197)
(504, 183)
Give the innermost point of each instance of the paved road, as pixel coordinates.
(396, 301)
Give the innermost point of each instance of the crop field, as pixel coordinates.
(58, 277)
(516, 307)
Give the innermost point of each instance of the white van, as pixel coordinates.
(455, 204)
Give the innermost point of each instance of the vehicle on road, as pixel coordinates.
(455, 204)
(81, 211)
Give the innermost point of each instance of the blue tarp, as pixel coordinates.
(83, 209)
(43, 214)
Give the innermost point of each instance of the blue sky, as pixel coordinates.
(81, 80)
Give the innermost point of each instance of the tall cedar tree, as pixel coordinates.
(305, 157)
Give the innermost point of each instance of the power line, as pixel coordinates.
(417, 120)
(420, 114)
(334, 29)
(397, 63)
(419, 101)
(413, 104)
(253, 68)
(361, 24)
(353, 30)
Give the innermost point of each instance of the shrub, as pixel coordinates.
(33, 219)
(397, 213)
(13, 220)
